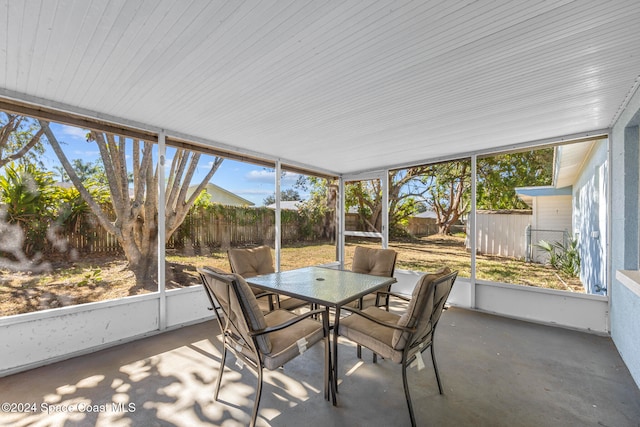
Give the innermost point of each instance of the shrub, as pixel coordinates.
(565, 258)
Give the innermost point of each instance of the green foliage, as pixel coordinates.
(289, 194)
(28, 200)
(93, 277)
(72, 208)
(366, 198)
(565, 258)
(89, 171)
(443, 188)
(312, 213)
(203, 200)
(499, 176)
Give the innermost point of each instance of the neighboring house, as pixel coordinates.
(222, 196)
(550, 220)
(577, 202)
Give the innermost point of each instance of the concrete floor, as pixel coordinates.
(496, 372)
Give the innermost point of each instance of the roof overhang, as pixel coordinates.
(526, 194)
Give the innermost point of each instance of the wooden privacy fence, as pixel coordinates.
(224, 227)
(207, 227)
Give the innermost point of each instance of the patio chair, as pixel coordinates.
(402, 339)
(253, 262)
(379, 262)
(258, 340)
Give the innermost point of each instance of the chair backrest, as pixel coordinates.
(424, 310)
(251, 262)
(379, 262)
(238, 305)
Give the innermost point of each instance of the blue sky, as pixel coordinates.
(252, 182)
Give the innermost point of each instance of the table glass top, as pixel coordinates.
(325, 286)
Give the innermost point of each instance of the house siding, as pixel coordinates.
(553, 213)
(590, 219)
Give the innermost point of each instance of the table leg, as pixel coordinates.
(331, 379)
(336, 323)
(327, 356)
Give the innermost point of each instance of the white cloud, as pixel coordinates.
(74, 131)
(269, 176)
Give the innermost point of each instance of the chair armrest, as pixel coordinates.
(287, 323)
(393, 294)
(378, 321)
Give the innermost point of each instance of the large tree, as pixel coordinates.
(136, 206)
(445, 189)
(499, 176)
(442, 188)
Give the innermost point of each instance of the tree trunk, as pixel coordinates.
(136, 209)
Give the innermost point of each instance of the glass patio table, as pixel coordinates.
(326, 287)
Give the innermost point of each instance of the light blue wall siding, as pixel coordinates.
(590, 219)
(625, 305)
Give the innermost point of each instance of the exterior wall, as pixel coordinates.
(590, 219)
(551, 221)
(625, 304)
(553, 213)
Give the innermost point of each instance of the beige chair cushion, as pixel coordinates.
(379, 262)
(284, 343)
(255, 317)
(371, 335)
(251, 262)
(254, 262)
(410, 317)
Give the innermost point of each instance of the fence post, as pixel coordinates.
(527, 239)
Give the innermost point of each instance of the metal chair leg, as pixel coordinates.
(222, 363)
(407, 395)
(435, 368)
(256, 404)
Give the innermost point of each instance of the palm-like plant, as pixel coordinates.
(565, 258)
(27, 197)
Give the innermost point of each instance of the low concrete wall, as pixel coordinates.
(34, 339)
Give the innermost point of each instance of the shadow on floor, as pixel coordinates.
(495, 371)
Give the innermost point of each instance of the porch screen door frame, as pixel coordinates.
(383, 234)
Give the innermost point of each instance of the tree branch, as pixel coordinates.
(95, 208)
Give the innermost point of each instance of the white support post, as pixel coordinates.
(162, 315)
(472, 230)
(384, 182)
(340, 226)
(278, 221)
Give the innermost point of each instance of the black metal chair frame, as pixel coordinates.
(233, 340)
(413, 341)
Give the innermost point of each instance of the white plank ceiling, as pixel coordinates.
(343, 86)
